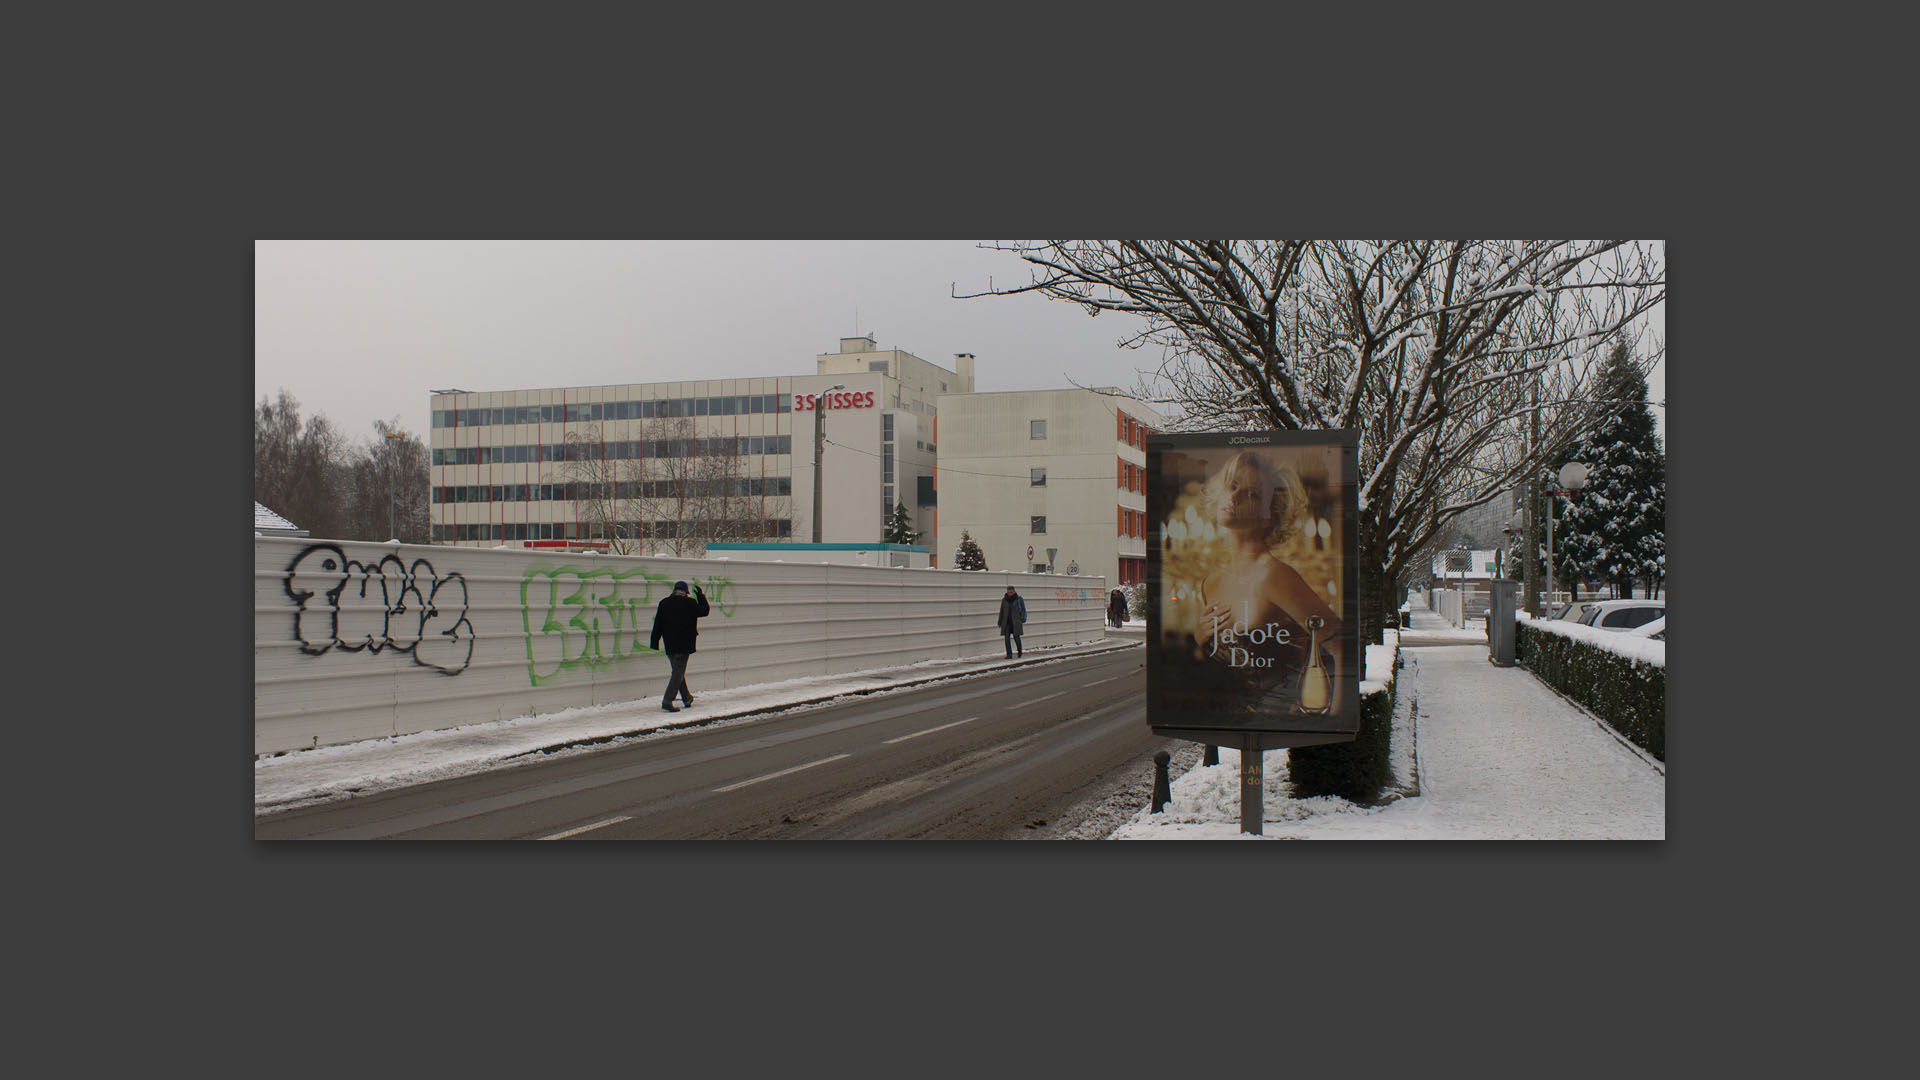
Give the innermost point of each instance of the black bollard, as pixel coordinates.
(1162, 787)
(1212, 756)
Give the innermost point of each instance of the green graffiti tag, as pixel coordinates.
(587, 617)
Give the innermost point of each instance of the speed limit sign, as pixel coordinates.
(1029, 552)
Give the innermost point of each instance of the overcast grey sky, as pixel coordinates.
(363, 330)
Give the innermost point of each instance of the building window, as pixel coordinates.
(876, 365)
(1039, 477)
(1040, 524)
(1037, 429)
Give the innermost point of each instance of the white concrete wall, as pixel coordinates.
(355, 641)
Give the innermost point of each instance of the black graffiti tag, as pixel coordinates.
(346, 604)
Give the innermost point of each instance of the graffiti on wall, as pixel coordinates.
(1073, 596)
(343, 603)
(586, 617)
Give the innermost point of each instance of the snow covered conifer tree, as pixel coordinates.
(900, 528)
(1617, 529)
(969, 556)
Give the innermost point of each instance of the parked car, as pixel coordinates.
(1622, 614)
(1657, 629)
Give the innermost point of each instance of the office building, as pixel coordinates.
(508, 468)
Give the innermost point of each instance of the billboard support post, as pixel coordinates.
(1253, 786)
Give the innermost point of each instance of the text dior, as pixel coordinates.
(859, 399)
(1259, 635)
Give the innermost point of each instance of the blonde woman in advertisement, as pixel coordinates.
(1256, 501)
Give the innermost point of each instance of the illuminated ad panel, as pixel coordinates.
(1253, 596)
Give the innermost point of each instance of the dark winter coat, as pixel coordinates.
(1117, 608)
(1013, 613)
(674, 621)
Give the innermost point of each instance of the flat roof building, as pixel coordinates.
(1046, 479)
(668, 465)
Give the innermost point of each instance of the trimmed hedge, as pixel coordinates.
(1356, 771)
(1630, 695)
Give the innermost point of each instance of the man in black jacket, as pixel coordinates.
(674, 621)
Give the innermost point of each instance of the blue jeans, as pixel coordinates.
(1013, 645)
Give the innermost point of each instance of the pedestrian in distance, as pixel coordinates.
(675, 621)
(1013, 616)
(1117, 609)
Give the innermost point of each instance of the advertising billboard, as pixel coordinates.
(1253, 593)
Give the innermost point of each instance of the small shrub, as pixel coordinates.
(1356, 771)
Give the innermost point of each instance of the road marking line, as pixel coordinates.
(1097, 682)
(584, 828)
(931, 730)
(782, 772)
(1036, 701)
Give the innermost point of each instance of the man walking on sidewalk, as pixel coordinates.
(676, 622)
(1013, 616)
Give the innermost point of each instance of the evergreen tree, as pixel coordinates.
(969, 557)
(1617, 529)
(900, 528)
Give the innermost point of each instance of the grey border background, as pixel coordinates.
(512, 955)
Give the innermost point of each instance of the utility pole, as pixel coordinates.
(819, 444)
(394, 438)
(1532, 552)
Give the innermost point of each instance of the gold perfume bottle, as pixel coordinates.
(1316, 683)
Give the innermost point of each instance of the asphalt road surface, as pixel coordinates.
(1006, 755)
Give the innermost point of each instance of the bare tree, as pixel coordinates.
(391, 478)
(300, 472)
(689, 491)
(1460, 364)
(601, 490)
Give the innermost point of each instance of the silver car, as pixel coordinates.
(1621, 614)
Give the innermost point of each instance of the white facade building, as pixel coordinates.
(499, 474)
(1059, 472)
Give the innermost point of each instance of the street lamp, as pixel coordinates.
(819, 440)
(1466, 561)
(1573, 477)
(394, 438)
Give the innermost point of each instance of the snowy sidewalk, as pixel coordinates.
(1497, 756)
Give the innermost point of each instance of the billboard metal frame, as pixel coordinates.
(1171, 708)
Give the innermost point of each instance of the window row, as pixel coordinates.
(1131, 522)
(623, 450)
(731, 405)
(500, 532)
(579, 491)
(1131, 477)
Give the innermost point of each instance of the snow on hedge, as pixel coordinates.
(1632, 646)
